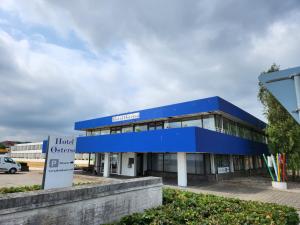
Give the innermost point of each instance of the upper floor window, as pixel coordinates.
(127, 129)
(209, 122)
(192, 123)
(229, 127)
(105, 131)
(115, 130)
(140, 127)
(172, 124)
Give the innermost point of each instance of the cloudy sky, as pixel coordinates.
(64, 61)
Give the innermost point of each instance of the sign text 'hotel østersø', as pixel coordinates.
(59, 166)
(124, 117)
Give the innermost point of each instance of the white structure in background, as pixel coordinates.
(31, 151)
(27, 151)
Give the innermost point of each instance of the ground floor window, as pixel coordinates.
(195, 163)
(170, 162)
(167, 162)
(222, 161)
(238, 162)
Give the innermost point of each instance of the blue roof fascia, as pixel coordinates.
(237, 112)
(196, 106)
(211, 104)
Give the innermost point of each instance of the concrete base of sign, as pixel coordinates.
(279, 185)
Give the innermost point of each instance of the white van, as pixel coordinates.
(7, 164)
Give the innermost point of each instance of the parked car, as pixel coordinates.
(8, 165)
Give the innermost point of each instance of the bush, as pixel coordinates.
(182, 207)
(6, 190)
(35, 187)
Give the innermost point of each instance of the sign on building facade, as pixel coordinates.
(59, 163)
(124, 117)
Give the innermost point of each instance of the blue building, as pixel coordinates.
(194, 140)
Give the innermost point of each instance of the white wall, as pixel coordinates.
(125, 159)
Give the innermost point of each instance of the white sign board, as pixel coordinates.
(124, 117)
(225, 169)
(59, 165)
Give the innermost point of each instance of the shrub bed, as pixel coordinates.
(7, 190)
(182, 207)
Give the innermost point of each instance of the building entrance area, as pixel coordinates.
(183, 167)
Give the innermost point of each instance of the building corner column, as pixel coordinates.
(212, 164)
(181, 169)
(231, 164)
(106, 170)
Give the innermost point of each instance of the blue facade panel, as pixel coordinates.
(190, 139)
(170, 140)
(197, 106)
(219, 143)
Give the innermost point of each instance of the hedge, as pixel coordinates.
(182, 207)
(35, 187)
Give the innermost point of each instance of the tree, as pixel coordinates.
(282, 130)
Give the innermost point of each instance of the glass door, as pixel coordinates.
(114, 163)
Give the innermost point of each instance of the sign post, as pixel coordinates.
(59, 163)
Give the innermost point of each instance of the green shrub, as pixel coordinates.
(182, 207)
(35, 187)
(6, 190)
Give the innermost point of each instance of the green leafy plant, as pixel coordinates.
(6, 190)
(35, 187)
(182, 207)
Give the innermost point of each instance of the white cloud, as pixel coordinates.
(139, 55)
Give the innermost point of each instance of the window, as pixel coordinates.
(219, 123)
(222, 161)
(229, 127)
(139, 128)
(96, 132)
(105, 131)
(115, 130)
(192, 123)
(170, 162)
(152, 126)
(247, 133)
(156, 126)
(9, 160)
(127, 129)
(173, 124)
(157, 162)
(195, 163)
(159, 125)
(209, 122)
(238, 162)
(240, 131)
(89, 133)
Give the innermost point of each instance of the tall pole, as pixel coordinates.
(297, 89)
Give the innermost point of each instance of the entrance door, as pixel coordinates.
(140, 164)
(114, 163)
